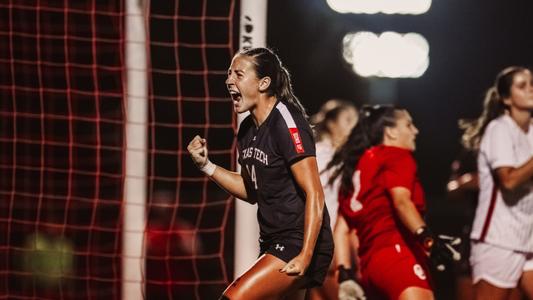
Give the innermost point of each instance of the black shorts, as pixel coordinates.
(287, 249)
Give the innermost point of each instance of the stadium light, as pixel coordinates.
(390, 54)
(412, 7)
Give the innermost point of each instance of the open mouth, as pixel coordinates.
(236, 96)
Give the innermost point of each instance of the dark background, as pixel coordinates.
(470, 42)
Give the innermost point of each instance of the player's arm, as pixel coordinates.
(405, 208)
(305, 171)
(510, 178)
(230, 181)
(441, 249)
(349, 288)
(499, 152)
(341, 237)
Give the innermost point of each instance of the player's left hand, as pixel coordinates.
(295, 266)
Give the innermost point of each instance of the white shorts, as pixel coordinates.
(498, 266)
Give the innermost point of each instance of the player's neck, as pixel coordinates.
(521, 117)
(263, 108)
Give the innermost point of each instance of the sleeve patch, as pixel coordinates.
(297, 140)
(295, 135)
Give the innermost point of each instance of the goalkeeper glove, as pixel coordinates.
(349, 289)
(442, 248)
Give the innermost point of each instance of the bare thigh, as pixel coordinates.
(264, 281)
(330, 287)
(526, 283)
(465, 288)
(416, 293)
(484, 290)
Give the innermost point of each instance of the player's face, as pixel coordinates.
(521, 91)
(344, 123)
(405, 130)
(242, 83)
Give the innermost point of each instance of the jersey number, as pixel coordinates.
(252, 175)
(355, 205)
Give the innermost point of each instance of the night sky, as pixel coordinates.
(470, 42)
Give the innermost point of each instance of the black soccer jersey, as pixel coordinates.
(266, 154)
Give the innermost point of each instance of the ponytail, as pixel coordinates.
(285, 92)
(493, 107)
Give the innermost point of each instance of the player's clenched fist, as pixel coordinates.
(198, 150)
(295, 267)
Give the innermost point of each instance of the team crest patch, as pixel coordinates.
(419, 272)
(355, 205)
(295, 135)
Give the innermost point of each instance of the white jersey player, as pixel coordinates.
(502, 233)
(333, 123)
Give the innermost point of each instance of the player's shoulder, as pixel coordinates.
(500, 123)
(387, 152)
(397, 156)
(497, 130)
(285, 116)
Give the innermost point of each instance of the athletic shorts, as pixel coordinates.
(498, 266)
(390, 270)
(289, 248)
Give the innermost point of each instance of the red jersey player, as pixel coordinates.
(381, 197)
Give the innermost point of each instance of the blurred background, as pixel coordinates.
(67, 105)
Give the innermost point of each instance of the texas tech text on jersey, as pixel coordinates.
(258, 154)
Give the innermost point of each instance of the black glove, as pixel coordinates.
(442, 249)
(349, 289)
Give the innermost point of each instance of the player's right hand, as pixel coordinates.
(198, 150)
(295, 266)
(349, 289)
(442, 249)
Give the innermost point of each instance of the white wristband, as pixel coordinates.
(208, 168)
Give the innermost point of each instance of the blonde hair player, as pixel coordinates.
(332, 125)
(502, 232)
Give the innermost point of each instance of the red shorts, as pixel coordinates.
(391, 270)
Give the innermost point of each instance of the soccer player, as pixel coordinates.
(279, 173)
(502, 232)
(380, 196)
(332, 125)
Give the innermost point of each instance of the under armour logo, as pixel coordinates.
(279, 247)
(255, 137)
